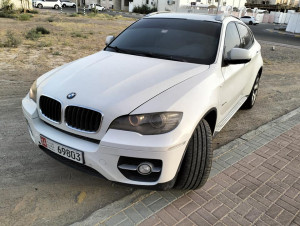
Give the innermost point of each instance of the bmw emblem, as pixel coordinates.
(71, 95)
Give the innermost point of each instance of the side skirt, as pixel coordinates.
(221, 124)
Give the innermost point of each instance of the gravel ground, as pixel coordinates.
(38, 190)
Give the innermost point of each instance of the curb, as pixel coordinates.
(142, 204)
(278, 44)
(283, 33)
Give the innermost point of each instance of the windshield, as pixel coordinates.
(183, 40)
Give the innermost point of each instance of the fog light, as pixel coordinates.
(145, 168)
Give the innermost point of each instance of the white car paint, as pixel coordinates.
(96, 6)
(47, 4)
(67, 3)
(114, 83)
(249, 20)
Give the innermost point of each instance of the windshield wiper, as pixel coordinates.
(160, 56)
(147, 54)
(117, 49)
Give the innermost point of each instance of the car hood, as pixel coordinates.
(115, 83)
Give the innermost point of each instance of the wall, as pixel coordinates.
(294, 23)
(20, 5)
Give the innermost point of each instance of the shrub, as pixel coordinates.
(33, 11)
(33, 34)
(144, 9)
(7, 15)
(36, 33)
(45, 44)
(11, 40)
(24, 17)
(43, 30)
(78, 35)
(57, 53)
(74, 15)
(7, 6)
(50, 19)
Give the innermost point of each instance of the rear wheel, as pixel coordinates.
(40, 6)
(249, 103)
(196, 165)
(250, 22)
(56, 7)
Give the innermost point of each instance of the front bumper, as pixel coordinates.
(104, 157)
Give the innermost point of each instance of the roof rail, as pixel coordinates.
(154, 13)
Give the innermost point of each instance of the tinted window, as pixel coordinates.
(175, 39)
(232, 39)
(246, 37)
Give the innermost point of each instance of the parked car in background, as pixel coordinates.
(96, 6)
(249, 20)
(143, 111)
(67, 3)
(56, 4)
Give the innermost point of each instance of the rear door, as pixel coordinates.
(247, 42)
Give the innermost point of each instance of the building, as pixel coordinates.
(185, 5)
(20, 4)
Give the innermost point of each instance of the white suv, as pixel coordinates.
(96, 7)
(56, 4)
(143, 111)
(67, 3)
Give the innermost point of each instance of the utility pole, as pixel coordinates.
(76, 6)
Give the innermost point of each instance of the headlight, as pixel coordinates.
(32, 91)
(148, 124)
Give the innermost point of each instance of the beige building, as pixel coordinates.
(20, 4)
(275, 2)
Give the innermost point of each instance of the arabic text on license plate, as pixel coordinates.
(62, 150)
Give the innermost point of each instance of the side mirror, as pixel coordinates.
(109, 39)
(238, 56)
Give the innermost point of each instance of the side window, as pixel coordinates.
(232, 39)
(246, 37)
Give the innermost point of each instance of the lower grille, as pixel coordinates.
(82, 118)
(50, 108)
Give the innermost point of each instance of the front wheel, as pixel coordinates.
(250, 22)
(196, 165)
(40, 6)
(56, 7)
(249, 103)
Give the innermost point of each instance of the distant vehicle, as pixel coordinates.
(67, 3)
(56, 4)
(249, 20)
(96, 6)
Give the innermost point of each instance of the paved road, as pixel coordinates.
(266, 32)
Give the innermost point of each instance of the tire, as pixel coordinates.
(56, 7)
(73, 6)
(40, 6)
(249, 103)
(64, 5)
(197, 161)
(250, 22)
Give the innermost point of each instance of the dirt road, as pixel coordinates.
(37, 190)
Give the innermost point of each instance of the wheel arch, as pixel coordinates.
(260, 71)
(211, 118)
